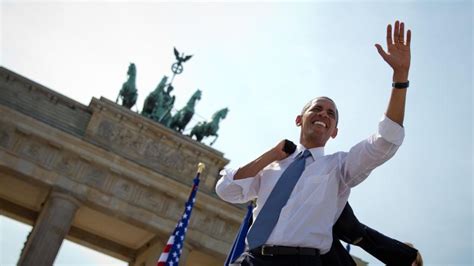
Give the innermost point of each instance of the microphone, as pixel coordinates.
(289, 147)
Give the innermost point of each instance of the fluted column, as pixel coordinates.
(49, 231)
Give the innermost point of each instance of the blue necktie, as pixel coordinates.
(268, 216)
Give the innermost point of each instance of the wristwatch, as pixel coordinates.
(400, 85)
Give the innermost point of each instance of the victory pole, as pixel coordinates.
(177, 68)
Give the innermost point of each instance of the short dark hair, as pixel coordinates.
(325, 98)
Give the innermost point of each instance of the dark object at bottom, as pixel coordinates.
(267, 250)
(350, 230)
(254, 257)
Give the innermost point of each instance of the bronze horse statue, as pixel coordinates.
(206, 129)
(183, 116)
(128, 93)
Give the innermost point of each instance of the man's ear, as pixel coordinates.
(334, 133)
(298, 120)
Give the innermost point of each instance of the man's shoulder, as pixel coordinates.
(336, 156)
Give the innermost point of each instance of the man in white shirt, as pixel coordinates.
(303, 229)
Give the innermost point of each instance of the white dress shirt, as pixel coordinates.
(319, 197)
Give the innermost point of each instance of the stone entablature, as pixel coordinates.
(116, 129)
(43, 104)
(144, 141)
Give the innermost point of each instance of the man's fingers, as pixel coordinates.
(396, 32)
(401, 37)
(408, 38)
(389, 35)
(381, 52)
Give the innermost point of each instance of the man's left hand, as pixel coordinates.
(398, 55)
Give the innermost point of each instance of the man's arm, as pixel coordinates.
(365, 156)
(242, 185)
(398, 57)
(387, 250)
(251, 169)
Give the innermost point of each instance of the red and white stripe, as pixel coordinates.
(165, 253)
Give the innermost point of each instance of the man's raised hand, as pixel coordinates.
(398, 51)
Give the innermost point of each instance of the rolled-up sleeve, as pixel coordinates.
(391, 131)
(236, 191)
(370, 153)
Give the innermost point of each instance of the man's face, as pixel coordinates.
(318, 123)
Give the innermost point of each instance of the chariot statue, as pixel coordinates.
(164, 104)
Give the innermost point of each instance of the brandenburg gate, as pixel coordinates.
(104, 177)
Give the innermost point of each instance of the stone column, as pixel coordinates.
(50, 229)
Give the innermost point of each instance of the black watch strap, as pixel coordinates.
(401, 85)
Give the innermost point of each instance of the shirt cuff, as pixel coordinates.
(391, 131)
(228, 175)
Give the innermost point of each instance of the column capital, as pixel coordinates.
(65, 196)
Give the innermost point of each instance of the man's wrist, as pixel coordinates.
(400, 76)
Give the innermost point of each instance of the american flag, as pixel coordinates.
(239, 242)
(173, 249)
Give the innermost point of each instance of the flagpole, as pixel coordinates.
(174, 247)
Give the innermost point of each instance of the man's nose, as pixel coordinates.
(323, 113)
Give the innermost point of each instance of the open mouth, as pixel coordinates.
(320, 123)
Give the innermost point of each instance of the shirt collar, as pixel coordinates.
(315, 152)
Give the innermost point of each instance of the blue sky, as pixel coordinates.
(264, 61)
